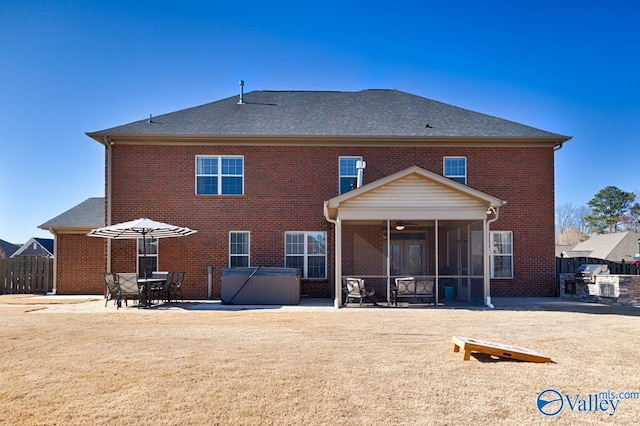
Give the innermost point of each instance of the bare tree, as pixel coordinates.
(580, 218)
(564, 217)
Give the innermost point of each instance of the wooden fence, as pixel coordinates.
(27, 274)
(570, 264)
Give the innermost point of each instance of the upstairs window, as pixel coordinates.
(348, 173)
(455, 168)
(219, 175)
(238, 249)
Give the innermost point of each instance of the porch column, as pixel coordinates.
(337, 301)
(487, 264)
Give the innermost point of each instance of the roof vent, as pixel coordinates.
(241, 101)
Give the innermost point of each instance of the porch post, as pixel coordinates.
(487, 265)
(437, 281)
(388, 262)
(337, 302)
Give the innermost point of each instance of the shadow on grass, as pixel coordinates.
(487, 358)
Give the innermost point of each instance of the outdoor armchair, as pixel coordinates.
(354, 289)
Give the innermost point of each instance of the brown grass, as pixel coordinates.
(352, 366)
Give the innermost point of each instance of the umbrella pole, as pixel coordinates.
(146, 269)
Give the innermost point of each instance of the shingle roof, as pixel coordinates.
(615, 246)
(367, 113)
(7, 249)
(88, 214)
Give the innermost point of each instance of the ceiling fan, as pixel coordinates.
(401, 225)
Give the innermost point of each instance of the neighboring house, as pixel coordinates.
(35, 247)
(7, 249)
(271, 178)
(79, 260)
(616, 247)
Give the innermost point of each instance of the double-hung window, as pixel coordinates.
(238, 249)
(147, 263)
(456, 168)
(219, 175)
(348, 173)
(307, 251)
(501, 254)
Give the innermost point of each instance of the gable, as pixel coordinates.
(414, 193)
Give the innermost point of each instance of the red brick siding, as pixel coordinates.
(285, 187)
(80, 264)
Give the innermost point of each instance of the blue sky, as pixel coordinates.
(70, 67)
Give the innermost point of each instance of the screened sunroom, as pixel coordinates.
(414, 223)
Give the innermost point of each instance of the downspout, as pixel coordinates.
(487, 276)
(54, 288)
(108, 145)
(337, 264)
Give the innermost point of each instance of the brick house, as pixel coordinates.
(276, 178)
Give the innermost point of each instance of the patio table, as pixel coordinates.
(147, 283)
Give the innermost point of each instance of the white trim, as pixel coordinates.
(247, 255)
(305, 254)
(340, 175)
(139, 255)
(444, 167)
(219, 175)
(492, 256)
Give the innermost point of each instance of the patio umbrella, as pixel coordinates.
(141, 228)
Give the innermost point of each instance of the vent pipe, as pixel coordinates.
(241, 101)
(360, 165)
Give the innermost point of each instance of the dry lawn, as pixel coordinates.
(355, 366)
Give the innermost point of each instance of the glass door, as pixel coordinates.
(408, 258)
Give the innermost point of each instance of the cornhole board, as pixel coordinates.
(497, 349)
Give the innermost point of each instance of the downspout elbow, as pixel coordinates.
(327, 216)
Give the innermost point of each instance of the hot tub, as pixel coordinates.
(260, 286)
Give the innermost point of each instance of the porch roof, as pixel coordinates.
(412, 194)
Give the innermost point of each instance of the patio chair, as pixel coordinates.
(162, 290)
(176, 288)
(354, 289)
(129, 289)
(113, 289)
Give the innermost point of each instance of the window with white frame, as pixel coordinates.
(219, 175)
(238, 249)
(501, 254)
(307, 251)
(456, 168)
(348, 173)
(147, 263)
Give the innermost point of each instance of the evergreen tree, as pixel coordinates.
(608, 206)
